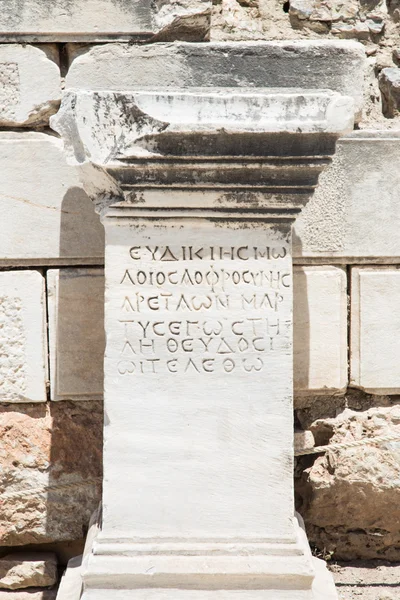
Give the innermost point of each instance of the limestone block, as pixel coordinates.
(76, 330)
(338, 66)
(375, 329)
(46, 216)
(31, 594)
(58, 443)
(320, 329)
(103, 20)
(23, 347)
(389, 84)
(354, 214)
(338, 483)
(27, 570)
(30, 85)
(77, 20)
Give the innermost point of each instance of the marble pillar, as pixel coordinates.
(198, 191)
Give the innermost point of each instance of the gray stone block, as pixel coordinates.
(334, 65)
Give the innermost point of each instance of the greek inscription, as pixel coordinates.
(202, 310)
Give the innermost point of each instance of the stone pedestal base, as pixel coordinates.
(251, 571)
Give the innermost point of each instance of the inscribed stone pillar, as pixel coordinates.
(202, 189)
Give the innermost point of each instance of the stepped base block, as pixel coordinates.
(262, 571)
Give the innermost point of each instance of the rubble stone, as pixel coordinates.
(389, 84)
(30, 594)
(26, 570)
(53, 444)
(339, 482)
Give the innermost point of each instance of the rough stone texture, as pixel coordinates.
(389, 83)
(32, 594)
(76, 330)
(102, 20)
(362, 580)
(320, 329)
(23, 347)
(74, 20)
(188, 20)
(354, 214)
(349, 19)
(26, 570)
(375, 329)
(349, 498)
(44, 198)
(328, 64)
(30, 86)
(48, 444)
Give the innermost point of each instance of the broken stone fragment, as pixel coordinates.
(30, 85)
(28, 570)
(359, 30)
(185, 20)
(389, 84)
(339, 482)
(303, 440)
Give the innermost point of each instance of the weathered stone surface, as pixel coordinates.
(102, 20)
(338, 223)
(350, 497)
(350, 19)
(23, 347)
(375, 329)
(30, 85)
(77, 20)
(48, 444)
(76, 331)
(389, 84)
(44, 198)
(337, 66)
(188, 20)
(151, 123)
(32, 594)
(26, 570)
(320, 329)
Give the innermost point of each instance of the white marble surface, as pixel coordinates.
(23, 345)
(41, 194)
(30, 84)
(76, 333)
(320, 329)
(375, 329)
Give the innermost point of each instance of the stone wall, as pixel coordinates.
(347, 255)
